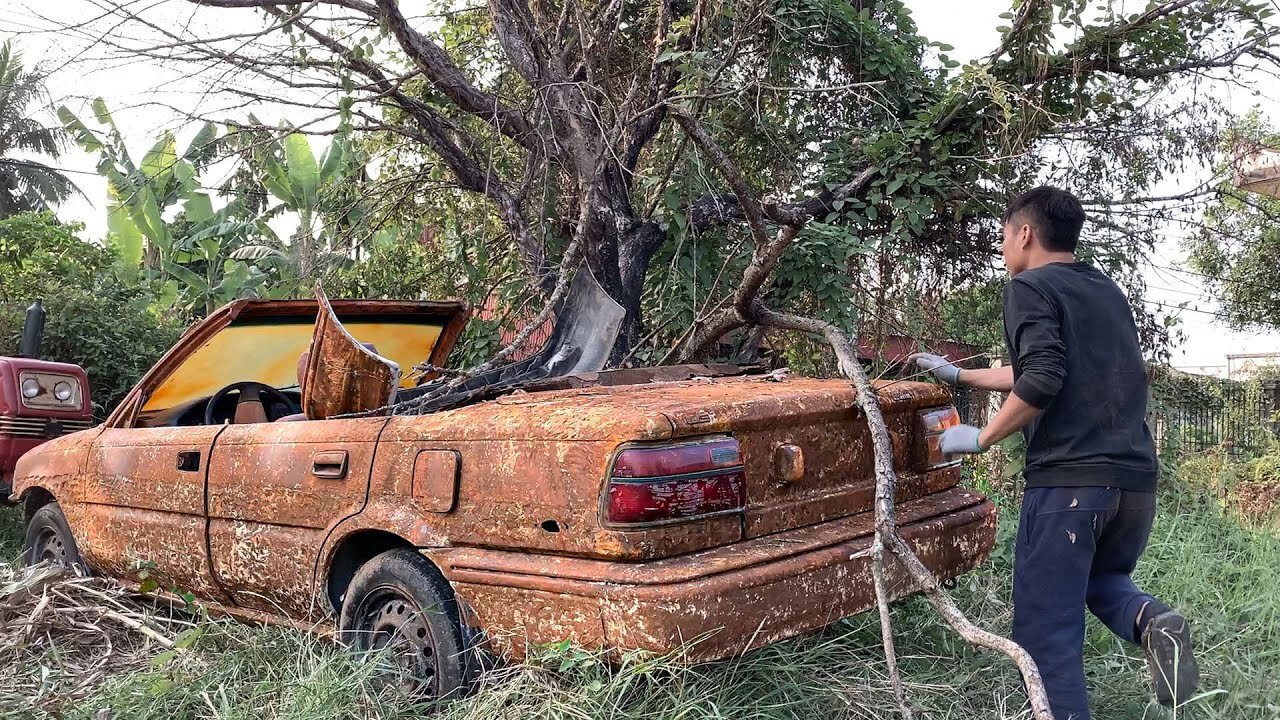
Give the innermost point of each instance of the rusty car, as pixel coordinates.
(265, 465)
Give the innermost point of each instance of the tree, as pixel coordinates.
(26, 184)
(1236, 249)
(614, 123)
(197, 251)
(771, 149)
(311, 188)
(102, 315)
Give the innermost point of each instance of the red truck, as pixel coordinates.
(39, 400)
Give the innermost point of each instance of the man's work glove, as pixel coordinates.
(960, 440)
(938, 365)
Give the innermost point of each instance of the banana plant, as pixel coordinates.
(311, 188)
(140, 193)
(193, 254)
(204, 263)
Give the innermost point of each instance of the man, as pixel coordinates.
(1078, 391)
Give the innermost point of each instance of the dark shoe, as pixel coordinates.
(1174, 672)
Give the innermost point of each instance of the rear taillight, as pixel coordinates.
(657, 484)
(932, 423)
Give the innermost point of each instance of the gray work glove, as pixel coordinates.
(960, 440)
(938, 365)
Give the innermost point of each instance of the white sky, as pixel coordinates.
(131, 92)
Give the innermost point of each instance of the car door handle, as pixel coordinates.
(329, 465)
(189, 461)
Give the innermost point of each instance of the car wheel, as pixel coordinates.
(399, 603)
(49, 539)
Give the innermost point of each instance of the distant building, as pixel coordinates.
(1244, 366)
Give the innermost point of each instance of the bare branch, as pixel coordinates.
(440, 69)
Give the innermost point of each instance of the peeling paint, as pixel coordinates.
(505, 496)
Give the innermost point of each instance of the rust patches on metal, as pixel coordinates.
(506, 497)
(732, 599)
(342, 375)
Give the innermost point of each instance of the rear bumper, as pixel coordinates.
(728, 599)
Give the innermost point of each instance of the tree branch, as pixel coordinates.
(440, 69)
(886, 531)
(436, 135)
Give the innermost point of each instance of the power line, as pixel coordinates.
(1217, 314)
(1233, 281)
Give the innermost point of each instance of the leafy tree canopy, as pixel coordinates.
(1237, 249)
(711, 159)
(100, 315)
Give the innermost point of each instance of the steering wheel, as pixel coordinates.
(242, 387)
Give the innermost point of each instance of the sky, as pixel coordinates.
(140, 93)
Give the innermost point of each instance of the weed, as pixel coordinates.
(1216, 569)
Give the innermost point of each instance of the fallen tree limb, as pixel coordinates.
(748, 309)
(886, 530)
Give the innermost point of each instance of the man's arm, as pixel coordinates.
(1036, 336)
(999, 379)
(1014, 414)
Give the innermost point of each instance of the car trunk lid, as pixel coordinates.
(806, 446)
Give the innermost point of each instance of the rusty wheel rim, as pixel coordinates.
(49, 546)
(390, 621)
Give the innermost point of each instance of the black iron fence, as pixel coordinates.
(1187, 413)
(971, 404)
(1193, 413)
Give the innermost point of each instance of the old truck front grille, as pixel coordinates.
(40, 428)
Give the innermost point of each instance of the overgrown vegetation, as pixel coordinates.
(1216, 567)
(102, 315)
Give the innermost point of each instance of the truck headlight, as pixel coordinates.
(50, 390)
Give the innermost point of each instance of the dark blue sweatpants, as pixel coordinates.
(1076, 548)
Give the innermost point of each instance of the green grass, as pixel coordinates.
(11, 527)
(1219, 572)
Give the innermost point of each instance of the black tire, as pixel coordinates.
(49, 539)
(399, 601)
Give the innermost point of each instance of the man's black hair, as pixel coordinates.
(1056, 215)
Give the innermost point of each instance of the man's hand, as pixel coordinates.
(938, 365)
(961, 440)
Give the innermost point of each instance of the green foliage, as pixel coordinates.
(1201, 560)
(101, 316)
(395, 266)
(325, 195)
(25, 184)
(196, 253)
(1191, 413)
(140, 193)
(1238, 249)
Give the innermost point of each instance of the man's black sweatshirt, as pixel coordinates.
(1075, 355)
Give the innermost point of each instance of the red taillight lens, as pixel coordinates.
(677, 459)
(675, 482)
(632, 503)
(933, 422)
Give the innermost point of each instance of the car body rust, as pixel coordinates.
(505, 496)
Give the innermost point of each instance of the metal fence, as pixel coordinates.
(1197, 413)
(1187, 413)
(971, 404)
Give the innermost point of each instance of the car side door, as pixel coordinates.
(143, 507)
(275, 491)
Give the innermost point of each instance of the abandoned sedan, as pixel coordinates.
(257, 467)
